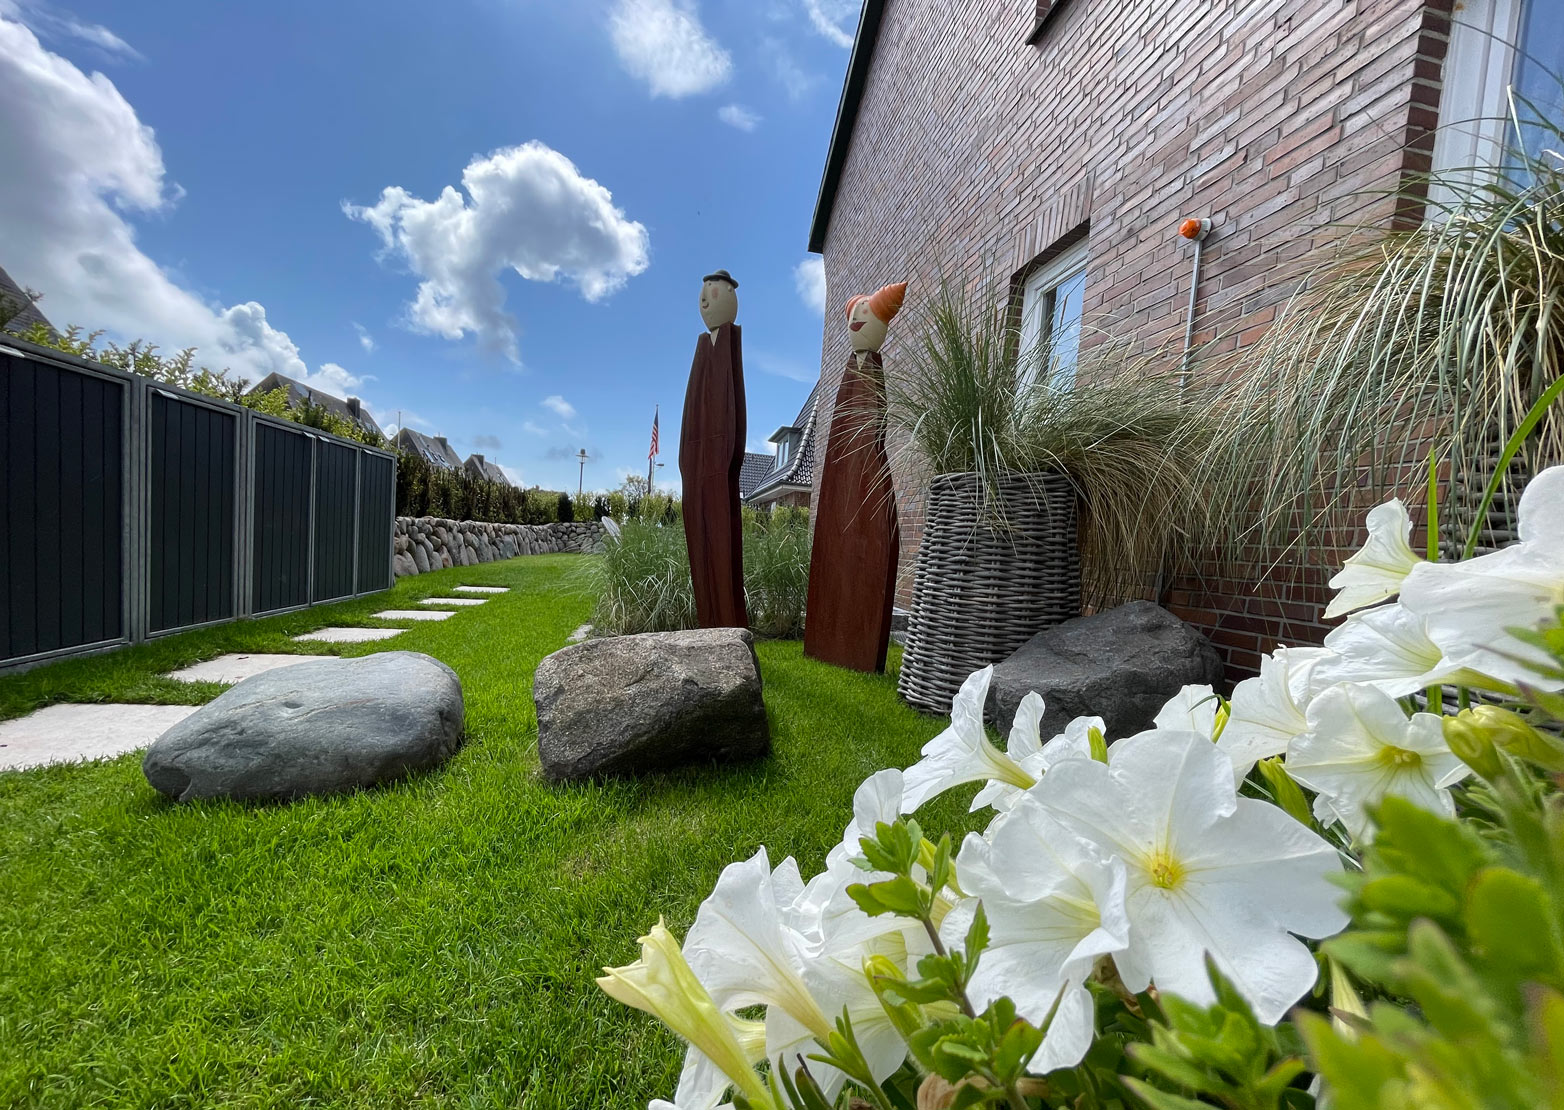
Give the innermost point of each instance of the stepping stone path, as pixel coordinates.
(237, 668)
(68, 733)
(482, 589)
(348, 635)
(414, 614)
(453, 601)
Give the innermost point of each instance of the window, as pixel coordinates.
(1045, 11)
(1497, 47)
(1051, 318)
(782, 445)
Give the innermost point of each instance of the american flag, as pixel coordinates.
(652, 454)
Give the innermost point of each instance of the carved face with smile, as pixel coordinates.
(868, 318)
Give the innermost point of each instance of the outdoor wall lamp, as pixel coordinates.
(1195, 229)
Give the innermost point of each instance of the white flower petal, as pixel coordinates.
(1387, 647)
(962, 753)
(1376, 571)
(1264, 714)
(1192, 709)
(1026, 730)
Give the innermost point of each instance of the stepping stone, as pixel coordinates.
(414, 615)
(68, 733)
(482, 589)
(580, 634)
(236, 668)
(453, 601)
(348, 635)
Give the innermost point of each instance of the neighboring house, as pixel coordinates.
(434, 450)
(479, 467)
(791, 476)
(27, 313)
(1051, 148)
(300, 395)
(757, 464)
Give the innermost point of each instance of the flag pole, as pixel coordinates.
(651, 456)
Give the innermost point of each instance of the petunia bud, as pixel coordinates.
(1511, 732)
(1099, 744)
(1286, 791)
(1472, 743)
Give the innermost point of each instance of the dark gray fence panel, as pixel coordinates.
(280, 479)
(376, 513)
(62, 558)
(192, 469)
(336, 488)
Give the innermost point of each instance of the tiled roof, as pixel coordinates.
(299, 393)
(800, 469)
(757, 465)
(29, 315)
(432, 449)
(480, 467)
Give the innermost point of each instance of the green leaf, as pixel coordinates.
(1510, 920)
(1162, 1100)
(1404, 897)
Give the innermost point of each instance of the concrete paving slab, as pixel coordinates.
(482, 589)
(453, 601)
(348, 635)
(68, 733)
(237, 668)
(414, 614)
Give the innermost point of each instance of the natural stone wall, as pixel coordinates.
(425, 543)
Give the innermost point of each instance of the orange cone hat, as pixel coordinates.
(887, 302)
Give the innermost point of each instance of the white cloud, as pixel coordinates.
(663, 43)
(782, 367)
(51, 23)
(809, 280)
(365, 340)
(487, 442)
(527, 208)
(763, 447)
(559, 406)
(794, 79)
(79, 165)
(831, 18)
(512, 474)
(535, 429)
(736, 115)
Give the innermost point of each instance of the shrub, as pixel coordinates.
(642, 581)
(776, 576)
(1161, 923)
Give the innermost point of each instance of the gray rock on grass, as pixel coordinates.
(1121, 665)
(623, 705)
(322, 727)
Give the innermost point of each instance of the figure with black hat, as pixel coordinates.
(711, 454)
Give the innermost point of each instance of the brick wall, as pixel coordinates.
(975, 156)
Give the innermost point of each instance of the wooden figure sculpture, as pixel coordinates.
(711, 453)
(852, 569)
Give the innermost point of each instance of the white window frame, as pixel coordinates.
(1037, 306)
(782, 445)
(1474, 105)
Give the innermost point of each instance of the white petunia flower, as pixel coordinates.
(1468, 608)
(1034, 758)
(1267, 712)
(1208, 871)
(1361, 747)
(962, 753)
(1055, 906)
(1192, 709)
(1375, 572)
(1388, 648)
(751, 946)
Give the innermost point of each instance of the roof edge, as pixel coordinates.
(846, 119)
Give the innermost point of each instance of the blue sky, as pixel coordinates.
(346, 192)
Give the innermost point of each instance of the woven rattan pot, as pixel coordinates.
(981, 591)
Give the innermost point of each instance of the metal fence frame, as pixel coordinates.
(136, 505)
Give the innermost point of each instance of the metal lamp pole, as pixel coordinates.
(581, 473)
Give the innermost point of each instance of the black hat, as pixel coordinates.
(721, 275)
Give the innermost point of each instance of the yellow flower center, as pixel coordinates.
(1399, 759)
(1165, 871)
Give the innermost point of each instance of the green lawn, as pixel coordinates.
(433, 943)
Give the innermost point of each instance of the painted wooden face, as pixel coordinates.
(865, 330)
(719, 303)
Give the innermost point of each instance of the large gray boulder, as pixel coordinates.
(623, 705)
(321, 727)
(1121, 665)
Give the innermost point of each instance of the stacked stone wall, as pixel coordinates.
(425, 543)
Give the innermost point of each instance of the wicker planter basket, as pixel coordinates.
(980, 592)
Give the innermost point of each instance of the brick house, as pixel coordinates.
(789, 477)
(1052, 147)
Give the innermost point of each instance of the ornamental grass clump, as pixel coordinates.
(1443, 335)
(966, 398)
(776, 572)
(1338, 888)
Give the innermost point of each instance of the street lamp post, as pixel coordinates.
(581, 473)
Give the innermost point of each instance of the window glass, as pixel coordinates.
(1050, 336)
(1539, 66)
(1064, 330)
